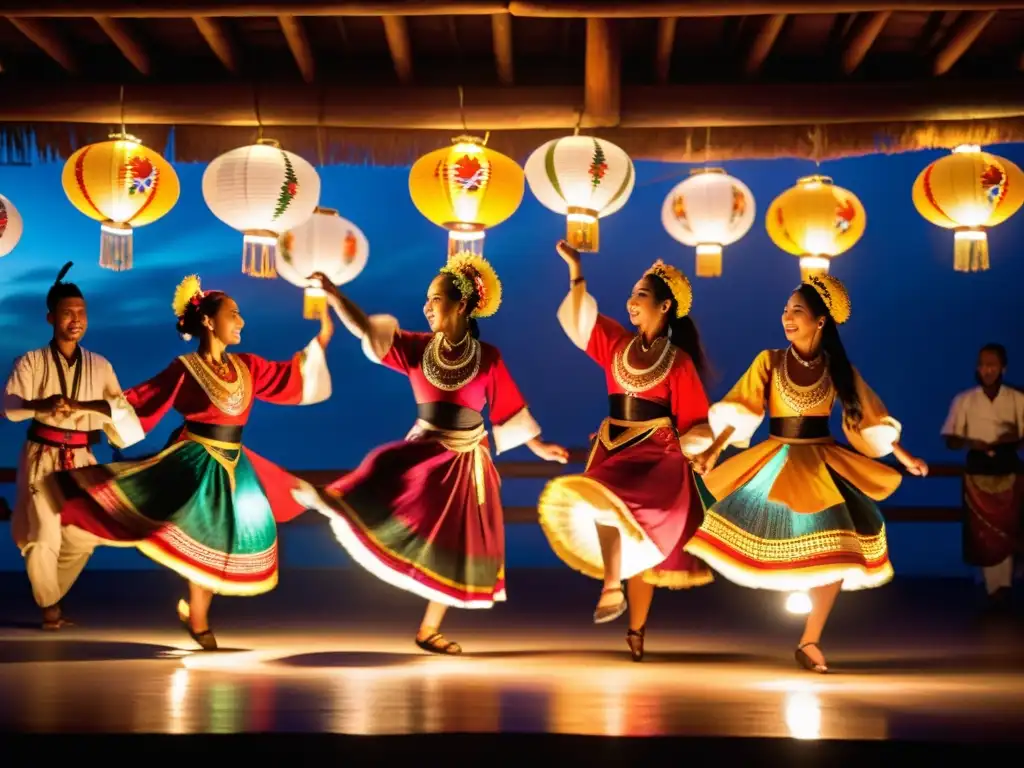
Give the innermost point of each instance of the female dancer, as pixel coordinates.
(424, 514)
(798, 512)
(205, 507)
(636, 504)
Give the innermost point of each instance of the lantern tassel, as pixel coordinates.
(116, 246)
(709, 260)
(259, 254)
(314, 303)
(582, 230)
(970, 250)
(813, 265)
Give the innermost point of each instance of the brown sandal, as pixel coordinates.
(206, 639)
(807, 662)
(437, 643)
(635, 641)
(607, 613)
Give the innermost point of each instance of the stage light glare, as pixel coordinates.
(798, 603)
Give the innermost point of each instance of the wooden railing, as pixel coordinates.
(578, 456)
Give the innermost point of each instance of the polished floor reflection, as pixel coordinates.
(332, 653)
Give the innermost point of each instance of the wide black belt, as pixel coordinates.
(449, 416)
(627, 408)
(55, 437)
(1005, 461)
(799, 427)
(224, 433)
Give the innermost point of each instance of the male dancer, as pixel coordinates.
(70, 395)
(988, 421)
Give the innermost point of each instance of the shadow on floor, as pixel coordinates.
(61, 650)
(339, 659)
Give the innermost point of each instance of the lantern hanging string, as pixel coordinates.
(256, 112)
(817, 144)
(321, 109)
(462, 109)
(579, 121)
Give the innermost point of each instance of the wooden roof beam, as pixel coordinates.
(516, 108)
(216, 36)
(663, 52)
(47, 40)
(961, 37)
(602, 75)
(866, 29)
(126, 43)
(501, 31)
(396, 30)
(171, 9)
(298, 44)
(633, 9)
(761, 47)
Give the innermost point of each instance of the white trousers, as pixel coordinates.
(54, 556)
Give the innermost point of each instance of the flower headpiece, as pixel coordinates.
(834, 294)
(677, 282)
(472, 274)
(189, 291)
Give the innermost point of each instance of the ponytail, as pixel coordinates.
(474, 328)
(684, 334)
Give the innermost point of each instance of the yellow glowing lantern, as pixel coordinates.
(816, 221)
(466, 188)
(969, 191)
(585, 179)
(121, 184)
(324, 243)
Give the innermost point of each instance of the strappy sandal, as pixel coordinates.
(807, 662)
(206, 639)
(53, 625)
(607, 613)
(635, 641)
(437, 643)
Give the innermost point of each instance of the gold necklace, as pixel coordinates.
(450, 347)
(446, 375)
(230, 397)
(636, 380)
(806, 363)
(802, 399)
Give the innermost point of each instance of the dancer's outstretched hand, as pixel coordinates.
(326, 327)
(325, 282)
(549, 451)
(567, 252)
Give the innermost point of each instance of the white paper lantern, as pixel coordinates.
(261, 190)
(324, 243)
(11, 226)
(584, 178)
(709, 210)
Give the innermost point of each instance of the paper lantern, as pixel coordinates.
(11, 226)
(121, 184)
(262, 191)
(709, 210)
(466, 188)
(584, 178)
(326, 243)
(969, 191)
(817, 221)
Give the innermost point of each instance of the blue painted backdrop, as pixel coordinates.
(915, 329)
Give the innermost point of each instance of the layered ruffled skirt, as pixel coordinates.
(791, 516)
(640, 483)
(424, 515)
(205, 508)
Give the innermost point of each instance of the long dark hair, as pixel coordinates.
(454, 294)
(684, 333)
(190, 324)
(840, 370)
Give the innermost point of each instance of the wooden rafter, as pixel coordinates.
(47, 40)
(603, 74)
(396, 30)
(961, 37)
(514, 108)
(121, 36)
(663, 50)
(762, 44)
(549, 9)
(216, 36)
(866, 29)
(501, 30)
(298, 44)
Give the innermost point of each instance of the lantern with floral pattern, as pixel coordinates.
(968, 192)
(466, 188)
(262, 191)
(816, 221)
(11, 226)
(121, 184)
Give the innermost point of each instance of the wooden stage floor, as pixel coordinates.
(330, 652)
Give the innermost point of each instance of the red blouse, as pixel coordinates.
(681, 390)
(177, 387)
(493, 385)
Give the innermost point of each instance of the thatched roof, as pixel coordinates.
(385, 81)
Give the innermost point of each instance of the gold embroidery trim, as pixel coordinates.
(231, 398)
